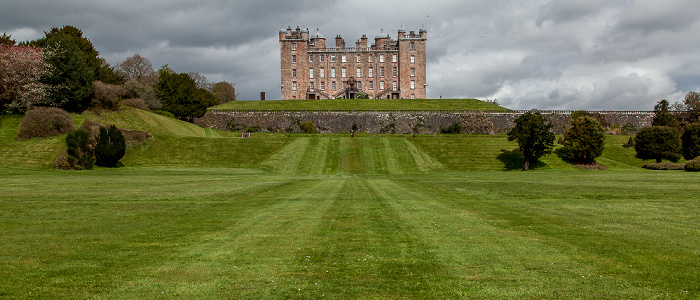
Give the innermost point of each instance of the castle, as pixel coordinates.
(388, 69)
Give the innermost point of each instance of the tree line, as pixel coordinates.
(63, 69)
(674, 133)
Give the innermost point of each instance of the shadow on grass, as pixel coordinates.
(513, 160)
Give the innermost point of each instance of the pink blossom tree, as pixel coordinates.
(21, 71)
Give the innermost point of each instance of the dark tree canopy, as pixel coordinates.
(585, 140)
(663, 116)
(692, 104)
(72, 74)
(658, 142)
(533, 136)
(110, 147)
(181, 97)
(691, 141)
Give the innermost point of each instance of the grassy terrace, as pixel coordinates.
(367, 104)
(201, 214)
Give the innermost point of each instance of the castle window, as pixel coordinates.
(294, 58)
(381, 85)
(345, 85)
(311, 86)
(381, 58)
(343, 73)
(332, 72)
(359, 72)
(323, 85)
(370, 57)
(413, 84)
(413, 72)
(413, 59)
(332, 58)
(311, 73)
(294, 46)
(344, 58)
(371, 85)
(359, 58)
(413, 96)
(294, 73)
(394, 86)
(393, 58)
(323, 57)
(381, 71)
(333, 85)
(359, 85)
(393, 71)
(323, 72)
(311, 58)
(294, 85)
(413, 45)
(370, 72)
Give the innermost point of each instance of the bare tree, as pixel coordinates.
(200, 81)
(137, 68)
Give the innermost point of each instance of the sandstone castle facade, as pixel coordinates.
(388, 69)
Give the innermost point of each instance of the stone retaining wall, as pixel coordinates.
(399, 122)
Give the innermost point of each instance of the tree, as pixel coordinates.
(137, 68)
(691, 141)
(224, 91)
(79, 150)
(6, 40)
(663, 116)
(533, 136)
(692, 104)
(658, 142)
(200, 81)
(110, 147)
(21, 71)
(585, 140)
(72, 74)
(180, 95)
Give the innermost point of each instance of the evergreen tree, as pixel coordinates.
(110, 147)
(80, 153)
(585, 140)
(181, 97)
(658, 142)
(691, 141)
(663, 116)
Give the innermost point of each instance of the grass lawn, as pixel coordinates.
(248, 233)
(199, 213)
(365, 104)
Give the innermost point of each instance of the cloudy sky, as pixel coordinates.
(545, 54)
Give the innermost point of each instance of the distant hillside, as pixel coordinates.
(365, 104)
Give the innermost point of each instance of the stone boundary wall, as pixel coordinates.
(398, 122)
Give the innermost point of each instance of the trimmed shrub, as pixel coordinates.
(45, 121)
(691, 141)
(164, 113)
(584, 141)
(110, 147)
(107, 95)
(308, 127)
(135, 103)
(630, 143)
(454, 128)
(693, 165)
(663, 166)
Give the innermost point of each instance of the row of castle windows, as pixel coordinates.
(343, 58)
(394, 85)
(413, 46)
(343, 73)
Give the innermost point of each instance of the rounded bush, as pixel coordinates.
(45, 121)
(693, 165)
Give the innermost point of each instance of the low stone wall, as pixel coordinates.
(398, 122)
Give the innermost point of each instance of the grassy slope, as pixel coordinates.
(369, 104)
